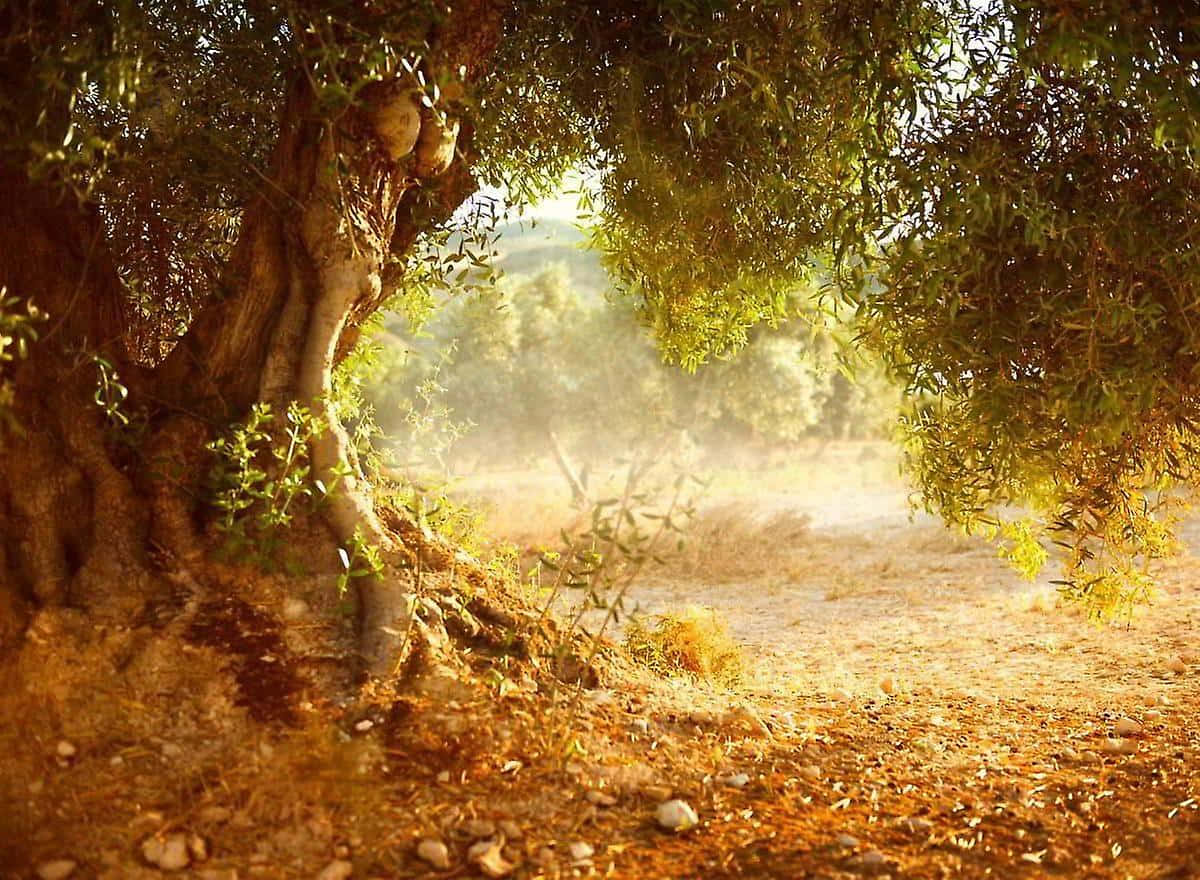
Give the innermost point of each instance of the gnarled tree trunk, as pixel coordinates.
(87, 521)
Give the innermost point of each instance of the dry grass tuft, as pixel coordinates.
(738, 541)
(694, 643)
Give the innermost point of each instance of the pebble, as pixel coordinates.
(169, 853)
(1118, 746)
(840, 695)
(510, 829)
(888, 685)
(1127, 727)
(57, 869)
(872, 859)
(434, 852)
(487, 856)
(812, 772)
(640, 725)
(65, 749)
(294, 609)
(444, 776)
(581, 851)
(1152, 715)
(479, 828)
(364, 725)
(215, 815)
(1068, 754)
(338, 869)
(847, 841)
(657, 792)
(737, 780)
(917, 825)
(600, 798)
(1176, 665)
(198, 847)
(676, 815)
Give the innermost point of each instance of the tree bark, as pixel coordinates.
(75, 522)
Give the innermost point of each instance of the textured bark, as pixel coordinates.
(83, 521)
(70, 521)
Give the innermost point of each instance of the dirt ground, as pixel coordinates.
(910, 709)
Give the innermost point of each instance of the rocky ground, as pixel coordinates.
(910, 709)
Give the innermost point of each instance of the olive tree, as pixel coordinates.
(208, 200)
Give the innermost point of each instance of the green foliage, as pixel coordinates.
(359, 559)
(259, 479)
(537, 356)
(18, 330)
(1005, 191)
(110, 392)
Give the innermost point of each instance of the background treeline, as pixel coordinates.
(553, 355)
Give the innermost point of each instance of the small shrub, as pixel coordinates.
(694, 643)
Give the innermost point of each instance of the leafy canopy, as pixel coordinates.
(1005, 189)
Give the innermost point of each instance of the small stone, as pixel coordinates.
(479, 828)
(338, 869)
(657, 792)
(364, 725)
(917, 825)
(444, 776)
(1088, 756)
(198, 847)
(701, 717)
(1152, 715)
(491, 860)
(214, 815)
(847, 841)
(152, 850)
(737, 780)
(172, 750)
(872, 859)
(1127, 727)
(811, 772)
(1068, 754)
(580, 851)
(434, 852)
(65, 749)
(640, 725)
(676, 815)
(600, 798)
(841, 695)
(888, 685)
(294, 609)
(171, 853)
(1176, 665)
(56, 869)
(1118, 746)
(510, 829)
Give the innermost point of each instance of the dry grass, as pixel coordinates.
(694, 643)
(738, 541)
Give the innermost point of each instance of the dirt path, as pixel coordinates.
(911, 710)
(867, 595)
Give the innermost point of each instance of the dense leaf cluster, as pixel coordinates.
(1006, 191)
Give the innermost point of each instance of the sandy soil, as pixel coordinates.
(869, 594)
(911, 709)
